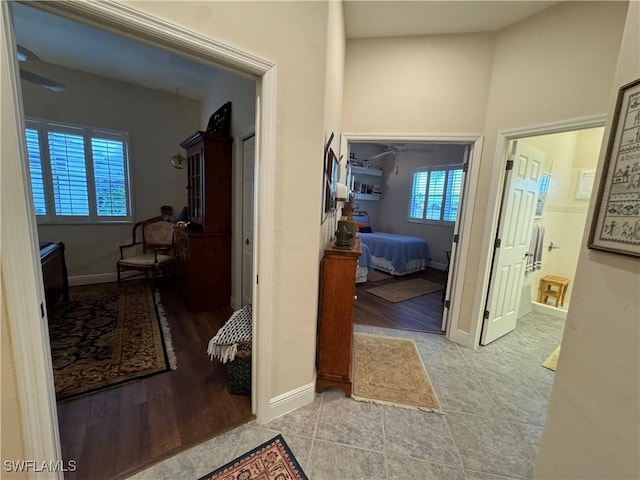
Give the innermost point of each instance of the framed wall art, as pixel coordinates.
(616, 221)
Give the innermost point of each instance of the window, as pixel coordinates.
(78, 174)
(435, 194)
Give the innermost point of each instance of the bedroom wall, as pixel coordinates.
(592, 423)
(294, 36)
(395, 204)
(150, 117)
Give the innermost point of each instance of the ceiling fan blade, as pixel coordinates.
(42, 81)
(24, 54)
(378, 155)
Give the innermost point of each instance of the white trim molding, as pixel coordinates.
(22, 288)
(289, 401)
(549, 310)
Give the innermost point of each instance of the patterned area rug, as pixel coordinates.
(389, 371)
(106, 335)
(272, 460)
(401, 291)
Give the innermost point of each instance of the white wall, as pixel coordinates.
(157, 122)
(293, 35)
(592, 425)
(552, 67)
(334, 84)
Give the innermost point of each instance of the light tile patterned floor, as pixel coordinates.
(495, 400)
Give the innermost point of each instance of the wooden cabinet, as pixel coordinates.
(204, 248)
(335, 320)
(209, 181)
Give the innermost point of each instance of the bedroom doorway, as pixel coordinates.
(385, 200)
(32, 366)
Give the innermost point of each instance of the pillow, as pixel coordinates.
(365, 229)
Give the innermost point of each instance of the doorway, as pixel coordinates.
(28, 336)
(554, 227)
(397, 157)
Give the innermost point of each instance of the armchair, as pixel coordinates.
(151, 250)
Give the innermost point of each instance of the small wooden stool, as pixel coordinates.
(553, 286)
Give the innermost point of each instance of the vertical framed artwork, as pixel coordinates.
(616, 220)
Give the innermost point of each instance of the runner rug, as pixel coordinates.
(401, 291)
(107, 335)
(389, 371)
(273, 460)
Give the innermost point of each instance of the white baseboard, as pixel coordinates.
(549, 310)
(438, 265)
(98, 278)
(289, 401)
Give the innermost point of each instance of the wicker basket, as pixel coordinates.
(239, 371)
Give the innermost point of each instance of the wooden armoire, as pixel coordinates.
(204, 247)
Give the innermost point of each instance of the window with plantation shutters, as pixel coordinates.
(78, 174)
(435, 194)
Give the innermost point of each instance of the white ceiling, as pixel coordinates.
(81, 47)
(400, 18)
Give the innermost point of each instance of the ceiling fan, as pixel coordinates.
(24, 56)
(397, 148)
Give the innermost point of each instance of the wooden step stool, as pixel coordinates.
(553, 286)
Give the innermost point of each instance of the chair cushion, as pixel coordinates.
(145, 260)
(158, 233)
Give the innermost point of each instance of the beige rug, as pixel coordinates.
(552, 360)
(389, 371)
(377, 275)
(401, 291)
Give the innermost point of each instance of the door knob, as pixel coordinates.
(246, 241)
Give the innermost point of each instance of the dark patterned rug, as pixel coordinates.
(273, 460)
(106, 335)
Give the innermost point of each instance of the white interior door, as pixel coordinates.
(248, 172)
(513, 241)
(453, 255)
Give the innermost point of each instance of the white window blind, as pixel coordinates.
(35, 170)
(435, 194)
(78, 174)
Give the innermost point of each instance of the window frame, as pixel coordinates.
(88, 133)
(434, 168)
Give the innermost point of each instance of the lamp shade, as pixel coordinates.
(342, 192)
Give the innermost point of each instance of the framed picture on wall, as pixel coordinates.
(616, 219)
(329, 181)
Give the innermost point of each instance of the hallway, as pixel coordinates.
(495, 401)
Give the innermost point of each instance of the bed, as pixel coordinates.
(392, 253)
(365, 264)
(54, 272)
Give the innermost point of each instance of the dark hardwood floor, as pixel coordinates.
(116, 432)
(422, 314)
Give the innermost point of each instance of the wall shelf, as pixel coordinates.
(366, 171)
(367, 196)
